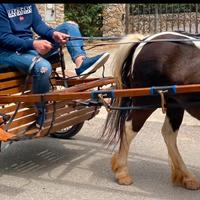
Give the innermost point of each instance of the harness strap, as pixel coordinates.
(53, 117)
(170, 89)
(104, 103)
(62, 61)
(163, 102)
(35, 59)
(105, 94)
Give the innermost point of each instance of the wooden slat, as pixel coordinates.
(76, 81)
(23, 113)
(71, 93)
(12, 91)
(19, 129)
(59, 104)
(69, 115)
(12, 86)
(70, 121)
(64, 123)
(10, 83)
(10, 75)
(9, 108)
(59, 112)
(31, 109)
(27, 116)
(61, 122)
(22, 121)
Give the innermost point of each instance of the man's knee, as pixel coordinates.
(72, 22)
(68, 24)
(43, 67)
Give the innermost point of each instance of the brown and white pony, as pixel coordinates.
(162, 63)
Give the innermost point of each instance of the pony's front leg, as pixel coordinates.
(180, 174)
(119, 160)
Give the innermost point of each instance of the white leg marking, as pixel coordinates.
(180, 173)
(119, 160)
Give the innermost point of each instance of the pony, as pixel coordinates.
(141, 61)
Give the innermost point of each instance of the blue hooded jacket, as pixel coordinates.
(17, 23)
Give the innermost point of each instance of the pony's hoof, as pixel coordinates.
(125, 180)
(191, 185)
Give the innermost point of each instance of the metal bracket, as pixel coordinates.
(167, 89)
(5, 118)
(105, 94)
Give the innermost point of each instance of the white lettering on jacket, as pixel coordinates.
(19, 11)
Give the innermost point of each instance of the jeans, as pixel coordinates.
(74, 47)
(40, 72)
(42, 69)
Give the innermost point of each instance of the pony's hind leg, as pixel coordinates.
(119, 160)
(180, 174)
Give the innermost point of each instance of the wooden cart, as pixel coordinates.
(64, 118)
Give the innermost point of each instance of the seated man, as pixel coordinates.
(18, 48)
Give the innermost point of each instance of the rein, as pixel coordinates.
(114, 38)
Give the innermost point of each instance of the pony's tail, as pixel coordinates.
(121, 66)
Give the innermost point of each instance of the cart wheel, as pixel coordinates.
(3, 146)
(67, 133)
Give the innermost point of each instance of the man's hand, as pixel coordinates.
(42, 46)
(60, 37)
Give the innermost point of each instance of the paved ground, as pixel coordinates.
(79, 169)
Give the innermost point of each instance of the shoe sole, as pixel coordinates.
(95, 66)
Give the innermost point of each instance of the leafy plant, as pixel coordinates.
(88, 16)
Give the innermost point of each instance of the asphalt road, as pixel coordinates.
(48, 169)
(79, 169)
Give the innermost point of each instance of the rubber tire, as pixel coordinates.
(2, 146)
(71, 132)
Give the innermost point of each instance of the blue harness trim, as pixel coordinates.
(106, 94)
(170, 89)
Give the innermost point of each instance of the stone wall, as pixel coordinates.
(114, 20)
(59, 13)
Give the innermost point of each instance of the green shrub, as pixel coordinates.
(88, 16)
